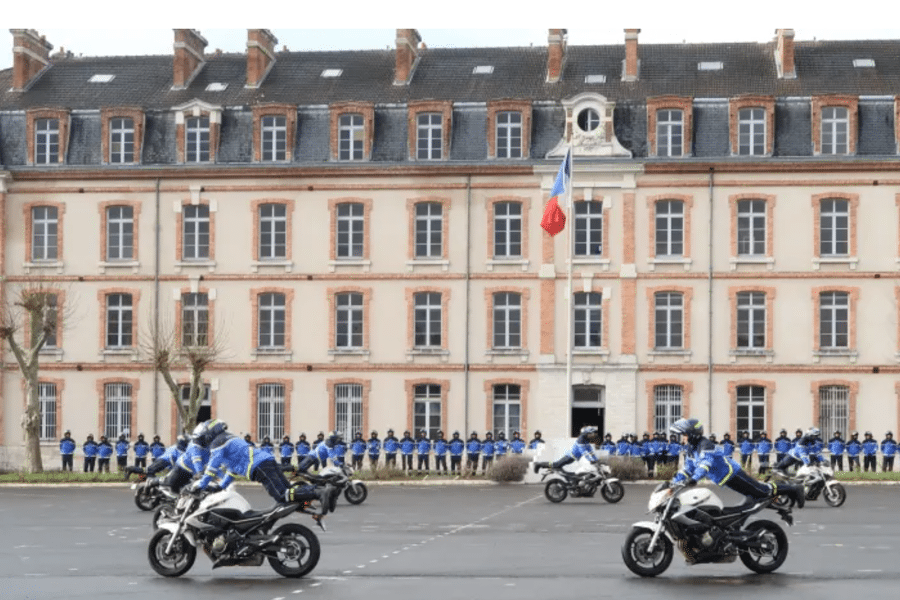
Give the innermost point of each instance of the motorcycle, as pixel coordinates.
(148, 495)
(354, 490)
(816, 479)
(583, 482)
(223, 524)
(649, 547)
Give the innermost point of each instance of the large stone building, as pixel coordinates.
(361, 231)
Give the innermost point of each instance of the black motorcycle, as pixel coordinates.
(583, 482)
(148, 494)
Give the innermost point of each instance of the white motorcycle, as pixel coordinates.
(339, 476)
(583, 482)
(816, 479)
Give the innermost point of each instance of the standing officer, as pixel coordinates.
(747, 448)
(854, 448)
(104, 452)
(608, 444)
(441, 446)
(662, 449)
(837, 446)
(157, 448)
(487, 452)
(674, 449)
(423, 448)
(727, 445)
(517, 444)
(623, 446)
(357, 451)
(473, 449)
(870, 450)
(338, 450)
(391, 445)
(122, 447)
(249, 440)
(67, 450)
(266, 444)
(536, 442)
(286, 451)
(501, 446)
(783, 445)
(141, 450)
(90, 453)
(407, 447)
(888, 450)
(456, 450)
(645, 455)
(302, 447)
(798, 435)
(763, 448)
(373, 447)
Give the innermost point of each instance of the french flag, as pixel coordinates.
(554, 219)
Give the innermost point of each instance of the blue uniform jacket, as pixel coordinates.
(268, 447)
(501, 447)
(90, 449)
(358, 447)
(727, 447)
(157, 449)
(141, 449)
(321, 452)
(441, 446)
(644, 448)
(170, 455)
(582, 448)
(634, 448)
(407, 445)
(705, 460)
(302, 448)
(122, 448)
(487, 448)
(286, 449)
(854, 447)
(783, 445)
(391, 445)
(236, 458)
(456, 447)
(194, 459)
(336, 454)
(67, 446)
(763, 447)
(870, 447)
(373, 446)
(888, 447)
(423, 446)
(104, 449)
(473, 446)
(623, 448)
(747, 446)
(674, 448)
(517, 445)
(800, 452)
(609, 446)
(836, 446)
(533, 444)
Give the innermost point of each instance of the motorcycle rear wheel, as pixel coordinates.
(834, 496)
(775, 553)
(555, 491)
(613, 492)
(634, 553)
(356, 494)
(143, 500)
(299, 546)
(175, 564)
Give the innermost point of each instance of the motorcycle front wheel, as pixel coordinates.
(170, 565)
(834, 495)
(298, 551)
(639, 560)
(356, 494)
(773, 548)
(144, 500)
(556, 491)
(613, 492)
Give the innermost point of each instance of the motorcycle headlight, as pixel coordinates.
(657, 499)
(605, 469)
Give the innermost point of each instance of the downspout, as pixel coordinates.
(156, 311)
(468, 302)
(709, 374)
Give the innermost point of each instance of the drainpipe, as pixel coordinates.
(156, 310)
(468, 302)
(709, 375)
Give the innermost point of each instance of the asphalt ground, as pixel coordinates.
(446, 542)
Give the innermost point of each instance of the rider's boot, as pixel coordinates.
(795, 492)
(540, 465)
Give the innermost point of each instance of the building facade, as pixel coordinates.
(360, 232)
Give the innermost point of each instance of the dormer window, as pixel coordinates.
(46, 141)
(198, 126)
(196, 139)
(121, 141)
(588, 119)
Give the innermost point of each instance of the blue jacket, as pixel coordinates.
(675, 448)
(634, 448)
(836, 446)
(373, 446)
(336, 454)
(705, 460)
(358, 447)
(644, 447)
(407, 445)
(456, 447)
(533, 444)
(582, 447)
(122, 447)
(167, 460)
(285, 449)
(623, 447)
(888, 447)
(267, 446)
(157, 449)
(517, 445)
(747, 446)
(487, 448)
(609, 446)
(423, 446)
(801, 453)
(302, 447)
(391, 445)
(67, 446)
(763, 447)
(854, 447)
(321, 452)
(104, 449)
(194, 459)
(501, 447)
(473, 446)
(870, 447)
(236, 458)
(141, 449)
(90, 449)
(783, 444)
(441, 445)
(727, 447)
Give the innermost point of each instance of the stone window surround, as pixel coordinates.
(60, 386)
(524, 385)
(210, 308)
(289, 112)
(853, 295)
(769, 293)
(688, 201)
(135, 229)
(606, 204)
(410, 386)
(853, 200)
(524, 294)
(330, 385)
(605, 315)
(526, 209)
(769, 403)
(411, 317)
(411, 204)
(687, 388)
(289, 231)
(60, 320)
(733, 201)
(135, 318)
(767, 103)
(179, 240)
(254, 401)
(332, 293)
(683, 104)
(173, 411)
(100, 386)
(851, 103)
(122, 112)
(29, 230)
(63, 117)
(288, 316)
(415, 108)
(197, 110)
(367, 234)
(853, 393)
(687, 294)
(508, 105)
(367, 110)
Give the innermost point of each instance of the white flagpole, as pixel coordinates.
(570, 224)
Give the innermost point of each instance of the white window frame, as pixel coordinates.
(509, 134)
(670, 132)
(427, 320)
(195, 241)
(834, 408)
(668, 222)
(668, 310)
(507, 230)
(834, 312)
(588, 238)
(751, 400)
(429, 136)
(119, 233)
(351, 137)
(119, 321)
(121, 140)
(507, 409)
(52, 308)
(427, 409)
(272, 231)
(507, 327)
(587, 321)
(47, 395)
(752, 131)
(751, 227)
(835, 131)
(270, 409)
(348, 321)
(117, 398)
(588, 119)
(834, 228)
(351, 225)
(751, 320)
(44, 233)
(46, 141)
(429, 242)
(668, 401)
(272, 312)
(273, 138)
(196, 139)
(194, 320)
(348, 408)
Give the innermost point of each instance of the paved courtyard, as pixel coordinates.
(447, 542)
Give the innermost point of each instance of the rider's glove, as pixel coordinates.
(195, 487)
(152, 481)
(213, 488)
(690, 482)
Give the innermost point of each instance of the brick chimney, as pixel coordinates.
(784, 54)
(260, 55)
(189, 46)
(631, 66)
(31, 55)
(556, 54)
(407, 55)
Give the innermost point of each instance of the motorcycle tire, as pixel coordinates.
(834, 496)
(176, 564)
(613, 492)
(163, 511)
(356, 494)
(781, 501)
(556, 491)
(144, 500)
(754, 560)
(298, 544)
(635, 556)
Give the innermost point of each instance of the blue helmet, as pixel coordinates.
(206, 432)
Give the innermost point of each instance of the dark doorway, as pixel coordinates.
(587, 416)
(588, 407)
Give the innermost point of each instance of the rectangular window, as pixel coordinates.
(119, 233)
(588, 320)
(429, 137)
(47, 402)
(751, 227)
(46, 141)
(835, 128)
(44, 233)
(667, 402)
(669, 133)
(272, 320)
(509, 134)
(429, 230)
(270, 411)
(427, 409)
(272, 231)
(588, 228)
(350, 230)
(834, 228)
(274, 138)
(195, 224)
(507, 230)
(669, 228)
(751, 409)
(507, 404)
(119, 321)
(204, 411)
(427, 319)
(669, 315)
(751, 131)
(751, 320)
(196, 139)
(118, 409)
(834, 320)
(348, 320)
(507, 320)
(194, 320)
(351, 137)
(834, 408)
(52, 314)
(348, 408)
(121, 141)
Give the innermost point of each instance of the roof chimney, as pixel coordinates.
(631, 65)
(31, 55)
(784, 54)
(260, 55)
(189, 47)
(407, 55)
(556, 54)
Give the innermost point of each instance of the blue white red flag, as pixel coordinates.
(554, 219)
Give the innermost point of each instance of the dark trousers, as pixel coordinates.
(787, 461)
(356, 461)
(763, 464)
(440, 459)
(565, 460)
(837, 459)
(122, 462)
(390, 459)
(869, 461)
(486, 463)
(67, 461)
(423, 460)
(779, 456)
(745, 460)
(269, 474)
(373, 461)
(103, 465)
(853, 460)
(472, 462)
(285, 461)
(89, 462)
(887, 463)
(650, 461)
(742, 483)
(157, 466)
(140, 461)
(406, 461)
(455, 463)
(178, 478)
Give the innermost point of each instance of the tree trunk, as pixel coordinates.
(31, 423)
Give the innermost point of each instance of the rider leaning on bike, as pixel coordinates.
(800, 453)
(582, 447)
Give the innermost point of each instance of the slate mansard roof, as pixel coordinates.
(822, 68)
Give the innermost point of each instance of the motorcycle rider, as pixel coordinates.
(888, 450)
(90, 453)
(104, 451)
(157, 448)
(122, 447)
(801, 451)
(456, 451)
(854, 448)
(391, 445)
(373, 447)
(141, 449)
(319, 441)
(67, 450)
(357, 451)
(517, 444)
(763, 448)
(473, 449)
(870, 451)
(583, 446)
(423, 449)
(837, 446)
(487, 452)
(536, 442)
(169, 458)
(286, 451)
(192, 461)
(327, 449)
(441, 446)
(783, 445)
